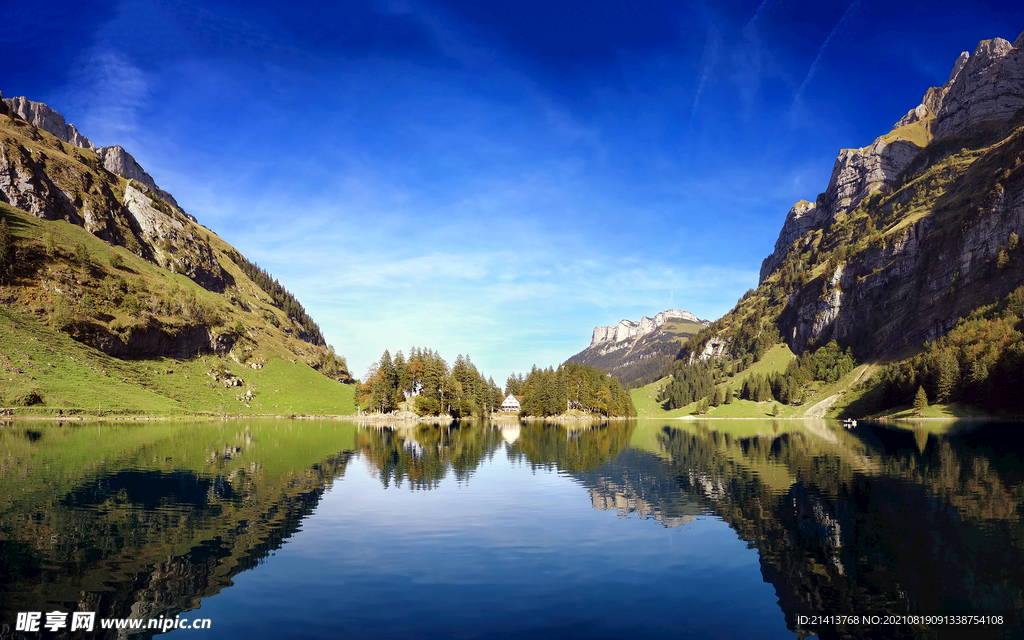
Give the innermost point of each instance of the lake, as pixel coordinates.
(669, 529)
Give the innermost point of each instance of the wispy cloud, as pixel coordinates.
(108, 90)
(707, 67)
(821, 50)
(767, 5)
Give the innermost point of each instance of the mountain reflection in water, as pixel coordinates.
(154, 520)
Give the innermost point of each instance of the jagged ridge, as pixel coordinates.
(106, 299)
(912, 232)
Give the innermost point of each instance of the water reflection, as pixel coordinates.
(142, 522)
(873, 521)
(147, 521)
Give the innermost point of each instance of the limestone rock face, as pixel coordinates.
(988, 86)
(627, 329)
(860, 172)
(24, 184)
(857, 173)
(155, 224)
(118, 161)
(173, 246)
(917, 114)
(714, 348)
(916, 289)
(917, 280)
(802, 217)
(49, 120)
(42, 179)
(115, 159)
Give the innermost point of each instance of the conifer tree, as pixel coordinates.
(6, 248)
(920, 401)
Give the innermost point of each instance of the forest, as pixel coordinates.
(980, 362)
(425, 384)
(429, 385)
(570, 387)
(698, 381)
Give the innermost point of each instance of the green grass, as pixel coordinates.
(680, 329)
(775, 360)
(647, 406)
(71, 378)
(53, 294)
(848, 389)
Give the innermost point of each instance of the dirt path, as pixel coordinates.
(819, 409)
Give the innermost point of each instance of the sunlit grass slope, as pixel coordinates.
(68, 283)
(45, 372)
(820, 399)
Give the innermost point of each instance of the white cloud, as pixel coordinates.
(107, 90)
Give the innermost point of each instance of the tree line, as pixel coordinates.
(699, 381)
(425, 383)
(280, 297)
(430, 386)
(572, 386)
(980, 362)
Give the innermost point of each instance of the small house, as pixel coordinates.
(510, 405)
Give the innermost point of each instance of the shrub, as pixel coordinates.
(88, 304)
(62, 314)
(81, 256)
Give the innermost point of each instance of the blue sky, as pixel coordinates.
(491, 178)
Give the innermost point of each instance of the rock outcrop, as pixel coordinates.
(114, 159)
(173, 246)
(627, 329)
(154, 341)
(47, 119)
(118, 161)
(987, 86)
(856, 174)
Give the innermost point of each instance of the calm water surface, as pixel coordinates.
(309, 529)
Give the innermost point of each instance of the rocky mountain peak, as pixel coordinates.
(627, 329)
(986, 86)
(115, 159)
(48, 120)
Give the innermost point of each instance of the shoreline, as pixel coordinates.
(8, 415)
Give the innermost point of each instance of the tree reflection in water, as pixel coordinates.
(148, 521)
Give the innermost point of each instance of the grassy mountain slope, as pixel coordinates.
(911, 258)
(139, 308)
(637, 361)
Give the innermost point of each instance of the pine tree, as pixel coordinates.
(920, 401)
(6, 248)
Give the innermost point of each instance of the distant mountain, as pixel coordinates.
(913, 232)
(635, 351)
(102, 254)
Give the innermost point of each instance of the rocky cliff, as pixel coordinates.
(633, 351)
(116, 287)
(982, 88)
(913, 231)
(627, 329)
